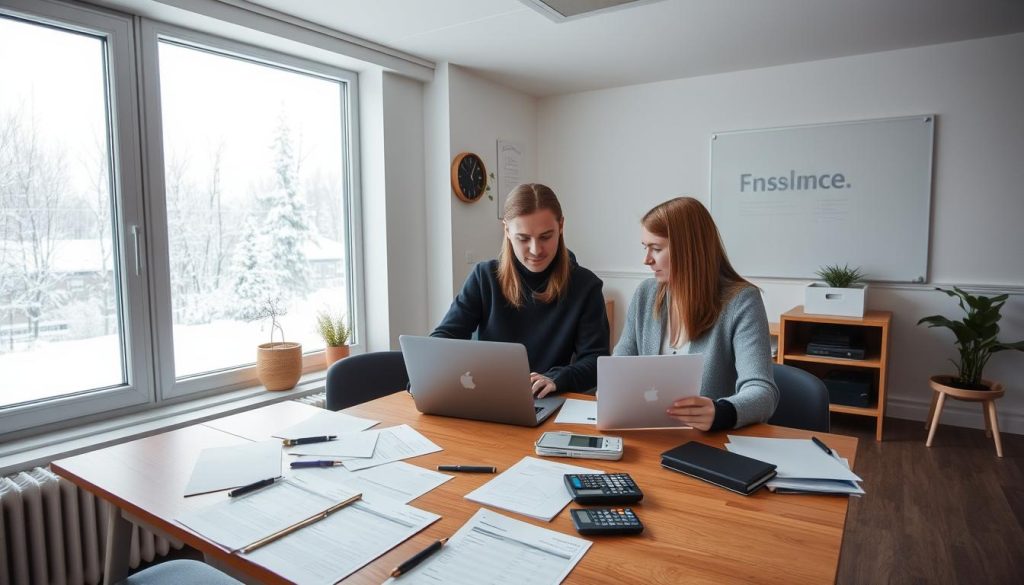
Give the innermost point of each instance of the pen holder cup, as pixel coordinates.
(279, 365)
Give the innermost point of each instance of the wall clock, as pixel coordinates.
(469, 177)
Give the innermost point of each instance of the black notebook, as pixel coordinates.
(732, 471)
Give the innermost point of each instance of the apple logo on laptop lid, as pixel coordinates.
(467, 381)
(651, 395)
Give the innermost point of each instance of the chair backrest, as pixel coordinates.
(364, 377)
(803, 400)
(179, 571)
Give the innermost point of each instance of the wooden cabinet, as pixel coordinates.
(795, 330)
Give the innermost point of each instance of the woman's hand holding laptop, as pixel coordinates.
(696, 411)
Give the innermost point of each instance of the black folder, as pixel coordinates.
(732, 471)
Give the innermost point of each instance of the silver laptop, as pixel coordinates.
(480, 380)
(633, 392)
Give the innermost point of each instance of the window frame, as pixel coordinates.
(151, 34)
(126, 203)
(139, 218)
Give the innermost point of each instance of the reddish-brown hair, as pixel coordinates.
(701, 279)
(526, 199)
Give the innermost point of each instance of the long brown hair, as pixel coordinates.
(701, 279)
(526, 199)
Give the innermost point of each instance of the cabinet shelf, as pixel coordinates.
(871, 362)
(795, 331)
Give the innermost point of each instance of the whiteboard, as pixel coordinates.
(788, 201)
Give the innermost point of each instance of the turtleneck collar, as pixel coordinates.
(535, 280)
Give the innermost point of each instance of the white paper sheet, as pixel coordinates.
(394, 444)
(578, 412)
(793, 458)
(237, 522)
(337, 546)
(398, 480)
(346, 445)
(532, 487)
(221, 468)
(491, 549)
(819, 486)
(326, 423)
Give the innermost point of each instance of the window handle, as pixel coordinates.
(138, 258)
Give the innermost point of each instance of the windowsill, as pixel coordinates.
(40, 450)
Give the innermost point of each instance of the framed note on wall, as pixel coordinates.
(510, 168)
(790, 200)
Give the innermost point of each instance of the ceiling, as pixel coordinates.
(512, 44)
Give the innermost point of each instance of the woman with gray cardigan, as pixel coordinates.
(697, 303)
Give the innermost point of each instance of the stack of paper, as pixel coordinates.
(801, 465)
(221, 468)
(494, 549)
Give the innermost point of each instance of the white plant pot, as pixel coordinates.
(821, 299)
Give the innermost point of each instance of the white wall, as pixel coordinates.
(613, 154)
(480, 113)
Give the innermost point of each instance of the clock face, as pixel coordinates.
(470, 177)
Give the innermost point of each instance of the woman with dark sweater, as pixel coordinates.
(536, 294)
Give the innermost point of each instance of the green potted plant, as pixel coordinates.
(278, 364)
(335, 335)
(976, 339)
(840, 293)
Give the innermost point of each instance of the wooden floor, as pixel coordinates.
(952, 513)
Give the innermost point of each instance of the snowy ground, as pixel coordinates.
(61, 367)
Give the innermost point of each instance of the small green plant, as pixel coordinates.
(271, 308)
(975, 334)
(840, 277)
(332, 329)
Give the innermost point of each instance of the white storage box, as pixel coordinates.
(821, 299)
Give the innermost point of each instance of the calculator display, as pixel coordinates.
(583, 514)
(589, 492)
(584, 441)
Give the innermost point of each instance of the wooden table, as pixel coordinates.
(695, 532)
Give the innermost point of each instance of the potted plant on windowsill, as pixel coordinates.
(278, 364)
(335, 335)
(841, 294)
(976, 340)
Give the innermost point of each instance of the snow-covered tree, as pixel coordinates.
(254, 277)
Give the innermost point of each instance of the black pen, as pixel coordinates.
(823, 446)
(418, 558)
(251, 487)
(307, 440)
(317, 463)
(468, 468)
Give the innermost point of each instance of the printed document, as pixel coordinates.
(578, 412)
(326, 423)
(235, 523)
(399, 480)
(793, 458)
(221, 468)
(394, 444)
(495, 549)
(339, 545)
(532, 487)
(346, 445)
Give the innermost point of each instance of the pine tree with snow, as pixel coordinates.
(284, 218)
(252, 268)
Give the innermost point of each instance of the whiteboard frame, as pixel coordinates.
(929, 119)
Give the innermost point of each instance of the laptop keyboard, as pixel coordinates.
(537, 409)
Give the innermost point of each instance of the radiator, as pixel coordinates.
(51, 532)
(317, 400)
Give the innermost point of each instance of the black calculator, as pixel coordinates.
(606, 521)
(603, 488)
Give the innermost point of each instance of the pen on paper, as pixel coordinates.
(418, 558)
(821, 444)
(468, 468)
(251, 487)
(308, 440)
(286, 531)
(317, 463)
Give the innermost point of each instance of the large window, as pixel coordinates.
(118, 291)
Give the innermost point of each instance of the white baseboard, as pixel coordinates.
(956, 413)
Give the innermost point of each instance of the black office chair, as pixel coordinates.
(364, 377)
(803, 400)
(180, 571)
